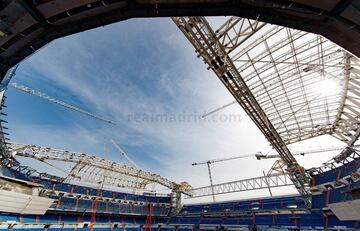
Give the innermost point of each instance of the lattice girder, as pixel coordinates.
(198, 31)
(93, 169)
(284, 82)
(294, 85)
(285, 70)
(256, 183)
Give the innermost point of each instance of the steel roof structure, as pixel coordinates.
(92, 169)
(306, 85)
(26, 26)
(294, 85)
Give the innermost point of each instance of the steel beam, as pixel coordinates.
(201, 35)
(5, 155)
(256, 183)
(63, 18)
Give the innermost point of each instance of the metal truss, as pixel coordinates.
(236, 31)
(5, 155)
(346, 125)
(345, 157)
(221, 59)
(93, 169)
(83, 172)
(256, 183)
(287, 72)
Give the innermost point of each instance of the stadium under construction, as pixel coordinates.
(275, 57)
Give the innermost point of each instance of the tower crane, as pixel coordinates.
(208, 162)
(5, 156)
(261, 156)
(219, 109)
(56, 101)
(124, 154)
(12, 72)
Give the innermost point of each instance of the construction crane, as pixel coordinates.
(218, 109)
(12, 72)
(132, 163)
(5, 156)
(261, 156)
(56, 101)
(208, 162)
(226, 159)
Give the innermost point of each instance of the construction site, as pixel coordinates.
(291, 66)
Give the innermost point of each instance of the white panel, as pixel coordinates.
(348, 210)
(24, 182)
(38, 205)
(14, 202)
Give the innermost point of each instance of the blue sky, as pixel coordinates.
(129, 70)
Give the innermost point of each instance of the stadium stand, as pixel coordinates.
(78, 207)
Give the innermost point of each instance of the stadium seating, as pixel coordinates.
(110, 210)
(332, 175)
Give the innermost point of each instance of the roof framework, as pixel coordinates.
(306, 85)
(26, 26)
(301, 82)
(92, 169)
(294, 85)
